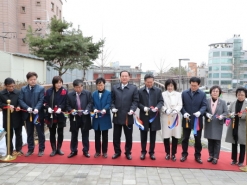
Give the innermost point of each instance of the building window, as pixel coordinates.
(226, 61)
(215, 61)
(210, 68)
(52, 7)
(215, 68)
(226, 68)
(215, 82)
(243, 61)
(226, 54)
(226, 75)
(216, 75)
(38, 3)
(23, 9)
(210, 54)
(23, 41)
(57, 11)
(23, 26)
(210, 75)
(60, 14)
(216, 54)
(226, 82)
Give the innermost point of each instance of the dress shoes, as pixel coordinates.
(234, 162)
(210, 159)
(72, 154)
(143, 156)
(60, 152)
(214, 161)
(41, 153)
(152, 157)
(96, 155)
(104, 155)
(128, 156)
(167, 157)
(174, 158)
(198, 159)
(240, 164)
(29, 152)
(183, 158)
(116, 155)
(86, 154)
(53, 153)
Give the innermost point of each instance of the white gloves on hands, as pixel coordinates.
(174, 112)
(95, 110)
(146, 109)
(131, 112)
(168, 111)
(85, 112)
(232, 115)
(58, 111)
(220, 117)
(155, 109)
(50, 110)
(186, 115)
(209, 115)
(73, 112)
(36, 111)
(29, 110)
(197, 114)
(103, 111)
(114, 110)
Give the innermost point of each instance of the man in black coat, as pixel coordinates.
(16, 121)
(150, 102)
(79, 104)
(124, 103)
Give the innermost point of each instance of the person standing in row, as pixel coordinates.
(194, 107)
(79, 104)
(124, 103)
(215, 112)
(171, 113)
(236, 131)
(101, 102)
(55, 103)
(16, 121)
(31, 98)
(150, 102)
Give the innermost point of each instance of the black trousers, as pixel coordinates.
(98, 134)
(30, 135)
(53, 130)
(117, 132)
(74, 140)
(214, 148)
(235, 153)
(18, 139)
(197, 145)
(174, 145)
(144, 136)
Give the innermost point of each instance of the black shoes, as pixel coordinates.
(234, 162)
(53, 153)
(60, 152)
(199, 160)
(240, 164)
(214, 161)
(116, 155)
(183, 158)
(174, 158)
(167, 157)
(143, 156)
(210, 159)
(86, 154)
(41, 153)
(128, 156)
(96, 155)
(152, 157)
(104, 155)
(72, 154)
(30, 152)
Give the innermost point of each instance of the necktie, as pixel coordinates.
(78, 101)
(31, 97)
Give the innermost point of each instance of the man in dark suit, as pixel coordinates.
(150, 102)
(79, 103)
(31, 99)
(124, 103)
(194, 106)
(16, 122)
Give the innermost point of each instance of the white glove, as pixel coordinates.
(209, 115)
(174, 112)
(85, 112)
(73, 112)
(163, 110)
(197, 114)
(155, 109)
(220, 117)
(50, 110)
(11, 106)
(95, 110)
(131, 112)
(58, 111)
(29, 110)
(36, 111)
(186, 115)
(114, 110)
(103, 111)
(168, 111)
(232, 115)
(146, 109)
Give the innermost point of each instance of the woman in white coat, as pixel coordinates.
(171, 114)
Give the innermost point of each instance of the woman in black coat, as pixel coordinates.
(55, 103)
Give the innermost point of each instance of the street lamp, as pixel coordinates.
(185, 59)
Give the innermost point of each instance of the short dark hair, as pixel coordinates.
(99, 80)
(77, 82)
(124, 71)
(195, 79)
(9, 81)
(31, 74)
(215, 87)
(56, 79)
(171, 81)
(238, 90)
(148, 76)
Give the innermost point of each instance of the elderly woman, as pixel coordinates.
(171, 109)
(215, 112)
(237, 128)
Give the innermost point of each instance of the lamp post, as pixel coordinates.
(185, 59)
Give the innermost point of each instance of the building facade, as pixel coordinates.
(17, 15)
(227, 63)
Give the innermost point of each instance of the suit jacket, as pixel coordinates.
(213, 129)
(241, 126)
(102, 123)
(34, 101)
(153, 98)
(192, 104)
(15, 117)
(83, 121)
(124, 100)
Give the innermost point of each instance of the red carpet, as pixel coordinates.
(223, 162)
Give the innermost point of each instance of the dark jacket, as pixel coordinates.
(59, 100)
(83, 121)
(124, 100)
(36, 102)
(153, 98)
(192, 104)
(15, 117)
(102, 123)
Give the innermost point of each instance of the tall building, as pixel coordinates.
(227, 63)
(17, 15)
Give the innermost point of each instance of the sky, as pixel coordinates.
(156, 32)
